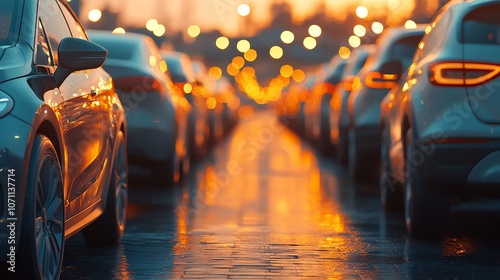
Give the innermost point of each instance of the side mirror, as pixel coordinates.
(77, 54)
(392, 67)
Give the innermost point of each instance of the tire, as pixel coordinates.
(343, 146)
(357, 162)
(427, 211)
(108, 229)
(391, 191)
(42, 241)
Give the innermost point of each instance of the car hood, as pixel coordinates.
(15, 61)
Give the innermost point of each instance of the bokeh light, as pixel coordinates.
(231, 70)
(243, 46)
(276, 52)
(238, 62)
(119, 30)
(310, 43)
(244, 10)
(215, 72)
(151, 24)
(250, 55)
(95, 15)
(287, 37)
(354, 41)
(362, 11)
(194, 31)
(344, 52)
(410, 24)
(159, 30)
(315, 30)
(359, 30)
(286, 71)
(377, 27)
(222, 43)
(298, 75)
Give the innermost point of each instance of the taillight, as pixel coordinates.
(138, 83)
(463, 73)
(381, 81)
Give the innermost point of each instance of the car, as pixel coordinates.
(339, 118)
(395, 50)
(226, 96)
(63, 156)
(186, 85)
(155, 118)
(441, 124)
(317, 108)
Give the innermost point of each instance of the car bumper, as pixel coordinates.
(465, 168)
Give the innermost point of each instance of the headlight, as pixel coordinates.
(6, 104)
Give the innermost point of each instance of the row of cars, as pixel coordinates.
(74, 115)
(420, 114)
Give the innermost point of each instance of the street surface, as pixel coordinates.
(262, 205)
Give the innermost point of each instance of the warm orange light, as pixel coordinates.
(231, 70)
(211, 103)
(287, 37)
(463, 73)
(215, 72)
(222, 43)
(250, 55)
(362, 12)
(315, 31)
(410, 24)
(381, 81)
(238, 62)
(119, 30)
(298, 75)
(188, 88)
(359, 30)
(344, 52)
(286, 71)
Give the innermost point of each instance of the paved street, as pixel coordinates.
(263, 204)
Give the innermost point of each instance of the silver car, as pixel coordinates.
(395, 50)
(441, 125)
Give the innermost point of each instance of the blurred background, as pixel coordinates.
(263, 44)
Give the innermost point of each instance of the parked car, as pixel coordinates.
(395, 50)
(63, 156)
(186, 86)
(441, 124)
(339, 118)
(317, 108)
(229, 103)
(157, 133)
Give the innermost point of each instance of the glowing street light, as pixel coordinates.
(159, 30)
(244, 10)
(310, 43)
(243, 46)
(222, 43)
(344, 52)
(354, 41)
(250, 55)
(119, 30)
(362, 11)
(276, 52)
(95, 15)
(194, 31)
(315, 30)
(151, 24)
(410, 24)
(359, 30)
(287, 37)
(377, 27)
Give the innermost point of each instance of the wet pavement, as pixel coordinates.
(262, 205)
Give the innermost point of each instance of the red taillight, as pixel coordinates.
(381, 81)
(463, 73)
(138, 83)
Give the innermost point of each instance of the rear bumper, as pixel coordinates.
(465, 168)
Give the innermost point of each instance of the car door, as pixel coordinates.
(82, 124)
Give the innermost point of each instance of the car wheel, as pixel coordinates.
(108, 229)
(343, 146)
(42, 235)
(427, 211)
(391, 191)
(358, 163)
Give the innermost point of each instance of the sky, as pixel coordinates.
(221, 14)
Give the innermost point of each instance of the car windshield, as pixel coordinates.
(9, 16)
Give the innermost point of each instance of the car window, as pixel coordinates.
(55, 25)
(175, 68)
(42, 52)
(9, 15)
(482, 26)
(75, 26)
(436, 33)
(406, 48)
